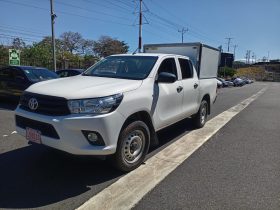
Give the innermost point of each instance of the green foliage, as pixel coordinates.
(72, 50)
(226, 72)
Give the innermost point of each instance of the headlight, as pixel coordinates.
(96, 105)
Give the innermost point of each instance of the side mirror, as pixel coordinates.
(165, 77)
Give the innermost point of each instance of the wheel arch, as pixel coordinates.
(146, 118)
(206, 97)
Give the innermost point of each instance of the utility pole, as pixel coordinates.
(268, 56)
(183, 31)
(53, 16)
(140, 27)
(234, 48)
(248, 56)
(229, 38)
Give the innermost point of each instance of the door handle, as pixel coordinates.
(195, 85)
(179, 89)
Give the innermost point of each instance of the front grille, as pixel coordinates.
(47, 105)
(45, 128)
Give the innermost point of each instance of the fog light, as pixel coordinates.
(92, 137)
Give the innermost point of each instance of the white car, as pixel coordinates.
(115, 107)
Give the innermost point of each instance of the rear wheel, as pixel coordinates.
(132, 147)
(201, 116)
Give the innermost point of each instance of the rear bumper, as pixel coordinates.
(69, 129)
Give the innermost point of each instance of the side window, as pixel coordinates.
(186, 68)
(6, 74)
(63, 74)
(168, 65)
(17, 74)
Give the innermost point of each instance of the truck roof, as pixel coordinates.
(160, 55)
(180, 45)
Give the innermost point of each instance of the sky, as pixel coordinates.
(253, 25)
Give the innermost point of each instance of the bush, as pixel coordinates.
(226, 72)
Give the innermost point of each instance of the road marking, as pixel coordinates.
(5, 135)
(14, 132)
(131, 188)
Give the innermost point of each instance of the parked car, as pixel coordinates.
(238, 82)
(69, 72)
(230, 83)
(116, 106)
(225, 83)
(15, 79)
(247, 81)
(219, 83)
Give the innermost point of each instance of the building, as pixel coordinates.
(226, 59)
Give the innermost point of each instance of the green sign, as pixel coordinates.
(14, 57)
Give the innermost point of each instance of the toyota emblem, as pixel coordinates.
(33, 103)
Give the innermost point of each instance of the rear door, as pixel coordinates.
(5, 77)
(190, 84)
(167, 96)
(18, 82)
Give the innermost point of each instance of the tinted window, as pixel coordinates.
(186, 68)
(168, 65)
(37, 75)
(5, 74)
(18, 74)
(74, 73)
(63, 74)
(126, 67)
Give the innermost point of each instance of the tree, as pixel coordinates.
(18, 44)
(87, 47)
(106, 46)
(40, 53)
(71, 41)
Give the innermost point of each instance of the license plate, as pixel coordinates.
(33, 135)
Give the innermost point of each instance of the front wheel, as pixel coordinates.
(200, 117)
(133, 145)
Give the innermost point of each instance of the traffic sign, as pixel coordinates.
(14, 57)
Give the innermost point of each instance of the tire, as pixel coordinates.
(200, 117)
(133, 145)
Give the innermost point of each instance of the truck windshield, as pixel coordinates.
(125, 67)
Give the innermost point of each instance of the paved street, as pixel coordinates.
(238, 168)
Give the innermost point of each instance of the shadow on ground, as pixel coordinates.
(36, 176)
(8, 104)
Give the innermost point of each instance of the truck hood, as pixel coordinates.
(79, 87)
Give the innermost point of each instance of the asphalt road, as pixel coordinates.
(34, 176)
(238, 168)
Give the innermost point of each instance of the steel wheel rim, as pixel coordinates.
(133, 146)
(203, 114)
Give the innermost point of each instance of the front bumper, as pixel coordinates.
(69, 129)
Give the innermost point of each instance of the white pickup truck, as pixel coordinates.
(116, 106)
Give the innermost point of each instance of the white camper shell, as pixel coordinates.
(204, 58)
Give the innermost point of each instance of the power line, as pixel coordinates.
(18, 32)
(21, 29)
(89, 10)
(13, 37)
(191, 28)
(66, 13)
